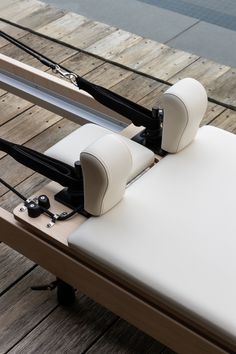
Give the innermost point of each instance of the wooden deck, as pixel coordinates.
(138, 68)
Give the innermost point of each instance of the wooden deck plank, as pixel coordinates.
(123, 338)
(154, 98)
(213, 111)
(18, 10)
(7, 3)
(113, 44)
(40, 143)
(226, 121)
(27, 125)
(10, 106)
(224, 88)
(168, 63)
(62, 26)
(206, 71)
(41, 17)
(12, 266)
(108, 75)
(21, 309)
(87, 34)
(2, 92)
(139, 54)
(69, 330)
(82, 63)
(135, 87)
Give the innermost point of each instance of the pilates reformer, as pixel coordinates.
(125, 213)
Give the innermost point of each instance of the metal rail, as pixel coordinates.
(55, 95)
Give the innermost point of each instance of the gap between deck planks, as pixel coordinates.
(142, 89)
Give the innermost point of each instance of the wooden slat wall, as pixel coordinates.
(32, 322)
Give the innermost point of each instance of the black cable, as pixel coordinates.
(44, 60)
(13, 189)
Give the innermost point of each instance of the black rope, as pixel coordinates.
(44, 60)
(12, 189)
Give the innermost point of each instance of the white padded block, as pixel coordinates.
(68, 149)
(174, 234)
(184, 105)
(106, 165)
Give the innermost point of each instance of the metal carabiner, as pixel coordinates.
(66, 74)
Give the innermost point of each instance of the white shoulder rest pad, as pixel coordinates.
(184, 104)
(106, 165)
(68, 149)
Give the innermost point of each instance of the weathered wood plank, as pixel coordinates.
(87, 34)
(69, 330)
(108, 75)
(82, 63)
(12, 266)
(139, 54)
(7, 3)
(21, 309)
(154, 98)
(41, 17)
(27, 125)
(113, 44)
(168, 63)
(17, 10)
(123, 338)
(2, 92)
(224, 88)
(213, 111)
(135, 87)
(226, 121)
(204, 70)
(10, 106)
(62, 26)
(39, 143)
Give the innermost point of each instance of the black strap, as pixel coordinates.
(133, 111)
(54, 169)
(136, 113)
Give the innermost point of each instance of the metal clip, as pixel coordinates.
(50, 224)
(66, 74)
(53, 221)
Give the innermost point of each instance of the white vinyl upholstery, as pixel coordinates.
(106, 165)
(184, 105)
(173, 234)
(68, 149)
